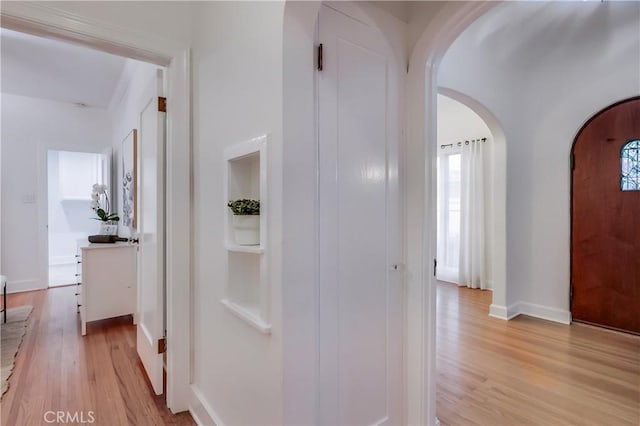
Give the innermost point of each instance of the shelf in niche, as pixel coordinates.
(249, 314)
(244, 249)
(246, 178)
(247, 288)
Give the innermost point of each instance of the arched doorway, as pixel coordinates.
(605, 233)
(496, 226)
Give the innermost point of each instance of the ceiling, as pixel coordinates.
(457, 122)
(59, 71)
(397, 8)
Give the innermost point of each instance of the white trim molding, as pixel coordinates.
(498, 311)
(48, 21)
(25, 285)
(513, 311)
(179, 231)
(201, 411)
(420, 227)
(544, 312)
(530, 309)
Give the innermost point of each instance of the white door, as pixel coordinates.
(360, 287)
(151, 274)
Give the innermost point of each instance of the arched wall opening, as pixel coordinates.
(421, 198)
(497, 200)
(538, 154)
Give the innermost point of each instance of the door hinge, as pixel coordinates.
(435, 267)
(162, 345)
(573, 161)
(320, 57)
(162, 104)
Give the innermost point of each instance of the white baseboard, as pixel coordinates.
(62, 260)
(513, 310)
(498, 311)
(545, 312)
(504, 312)
(24, 285)
(532, 310)
(201, 411)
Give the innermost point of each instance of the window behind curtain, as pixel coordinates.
(448, 217)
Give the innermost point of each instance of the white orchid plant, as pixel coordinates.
(100, 204)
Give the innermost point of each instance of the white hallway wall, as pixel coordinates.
(125, 110)
(29, 127)
(237, 89)
(539, 73)
(238, 94)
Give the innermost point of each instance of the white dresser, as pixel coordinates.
(108, 281)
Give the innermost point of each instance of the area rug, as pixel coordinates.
(12, 333)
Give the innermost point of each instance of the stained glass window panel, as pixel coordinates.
(630, 163)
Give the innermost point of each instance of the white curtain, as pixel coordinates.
(472, 228)
(448, 217)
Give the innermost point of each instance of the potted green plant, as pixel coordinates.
(246, 221)
(100, 205)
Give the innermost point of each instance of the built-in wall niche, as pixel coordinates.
(247, 294)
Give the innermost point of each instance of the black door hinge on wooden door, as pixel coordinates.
(573, 161)
(320, 57)
(435, 266)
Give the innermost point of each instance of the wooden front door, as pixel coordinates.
(605, 230)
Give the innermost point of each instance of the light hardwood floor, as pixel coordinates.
(490, 372)
(529, 371)
(59, 370)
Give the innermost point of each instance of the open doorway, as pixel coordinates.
(66, 132)
(70, 176)
(465, 191)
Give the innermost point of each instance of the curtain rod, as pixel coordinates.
(467, 142)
